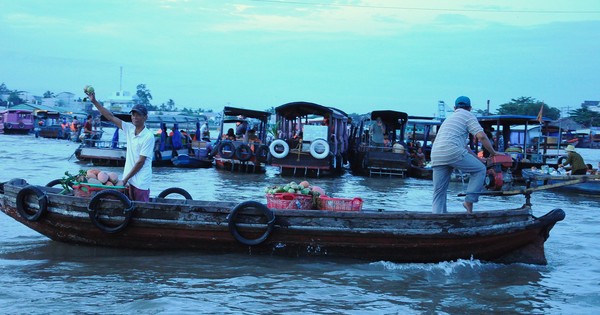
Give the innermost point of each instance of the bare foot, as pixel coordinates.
(468, 206)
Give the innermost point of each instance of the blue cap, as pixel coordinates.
(462, 102)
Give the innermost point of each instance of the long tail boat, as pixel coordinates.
(108, 218)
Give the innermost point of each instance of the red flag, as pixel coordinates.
(539, 116)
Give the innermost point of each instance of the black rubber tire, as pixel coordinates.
(227, 149)
(243, 152)
(262, 153)
(175, 190)
(94, 216)
(22, 207)
(54, 182)
(268, 213)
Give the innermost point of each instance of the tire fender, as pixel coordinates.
(227, 149)
(94, 215)
(268, 213)
(31, 214)
(243, 152)
(175, 190)
(262, 153)
(313, 149)
(279, 155)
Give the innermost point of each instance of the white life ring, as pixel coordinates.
(315, 144)
(280, 155)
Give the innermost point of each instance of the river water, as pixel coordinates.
(40, 276)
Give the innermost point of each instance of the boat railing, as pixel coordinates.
(104, 144)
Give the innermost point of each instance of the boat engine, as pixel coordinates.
(498, 172)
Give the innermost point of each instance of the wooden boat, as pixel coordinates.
(110, 219)
(49, 125)
(246, 149)
(312, 140)
(421, 132)
(588, 184)
(391, 158)
(512, 134)
(170, 145)
(16, 121)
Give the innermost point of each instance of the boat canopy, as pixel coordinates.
(248, 113)
(392, 119)
(293, 110)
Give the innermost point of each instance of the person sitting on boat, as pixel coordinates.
(575, 160)
(241, 126)
(230, 135)
(590, 169)
(140, 149)
(377, 131)
(253, 140)
(451, 151)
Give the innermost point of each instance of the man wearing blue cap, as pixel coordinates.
(450, 150)
(137, 174)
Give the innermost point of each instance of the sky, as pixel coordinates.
(355, 55)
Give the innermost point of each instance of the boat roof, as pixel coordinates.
(423, 120)
(512, 119)
(299, 109)
(248, 113)
(12, 110)
(394, 119)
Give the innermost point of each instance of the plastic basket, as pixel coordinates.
(340, 204)
(290, 201)
(87, 190)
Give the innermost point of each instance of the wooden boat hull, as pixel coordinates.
(381, 161)
(101, 156)
(421, 172)
(397, 236)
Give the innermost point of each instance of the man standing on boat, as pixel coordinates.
(137, 174)
(450, 150)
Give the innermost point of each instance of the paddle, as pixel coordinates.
(526, 191)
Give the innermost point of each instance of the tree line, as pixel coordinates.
(523, 105)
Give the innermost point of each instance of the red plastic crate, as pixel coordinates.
(88, 190)
(340, 204)
(290, 201)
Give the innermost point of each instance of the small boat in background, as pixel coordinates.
(389, 157)
(584, 184)
(16, 121)
(311, 140)
(187, 161)
(241, 144)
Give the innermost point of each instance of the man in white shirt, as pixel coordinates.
(137, 174)
(450, 150)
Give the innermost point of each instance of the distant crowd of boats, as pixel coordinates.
(309, 139)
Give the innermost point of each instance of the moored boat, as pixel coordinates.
(389, 156)
(421, 132)
(241, 146)
(16, 121)
(110, 219)
(584, 184)
(312, 140)
(522, 137)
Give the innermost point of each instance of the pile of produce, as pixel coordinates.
(303, 188)
(92, 176)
